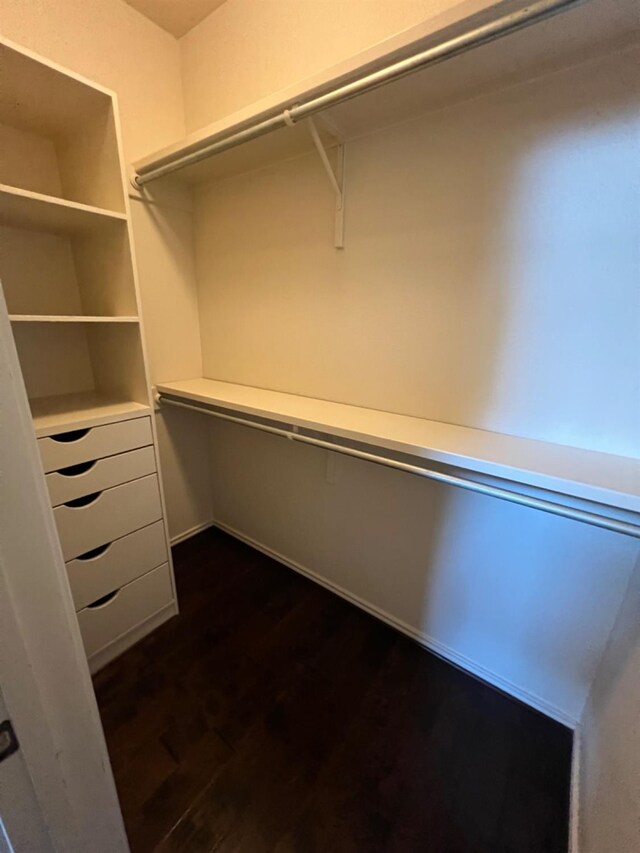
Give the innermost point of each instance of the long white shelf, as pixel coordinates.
(25, 209)
(613, 481)
(580, 33)
(69, 318)
(79, 411)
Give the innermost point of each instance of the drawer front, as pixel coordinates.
(111, 515)
(94, 575)
(131, 605)
(72, 448)
(88, 477)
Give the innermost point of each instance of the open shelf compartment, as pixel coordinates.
(81, 371)
(57, 133)
(80, 272)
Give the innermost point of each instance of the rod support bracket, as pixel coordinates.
(336, 179)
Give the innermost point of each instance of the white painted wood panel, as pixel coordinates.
(100, 474)
(57, 452)
(119, 563)
(113, 514)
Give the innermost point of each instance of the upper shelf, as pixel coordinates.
(584, 30)
(25, 209)
(603, 478)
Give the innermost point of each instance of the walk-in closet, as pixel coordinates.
(320, 426)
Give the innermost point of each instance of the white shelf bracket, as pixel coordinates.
(336, 179)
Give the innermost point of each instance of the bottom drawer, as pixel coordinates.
(106, 620)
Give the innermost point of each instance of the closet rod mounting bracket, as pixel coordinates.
(135, 182)
(336, 179)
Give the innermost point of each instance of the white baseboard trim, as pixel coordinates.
(192, 531)
(424, 640)
(574, 804)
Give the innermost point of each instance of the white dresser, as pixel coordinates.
(105, 495)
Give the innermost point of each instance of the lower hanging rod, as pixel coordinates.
(538, 10)
(572, 513)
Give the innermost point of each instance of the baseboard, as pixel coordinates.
(424, 640)
(574, 804)
(192, 531)
(116, 647)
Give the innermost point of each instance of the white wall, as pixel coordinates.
(489, 278)
(246, 50)
(523, 598)
(112, 44)
(610, 783)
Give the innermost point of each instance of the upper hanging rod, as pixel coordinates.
(480, 35)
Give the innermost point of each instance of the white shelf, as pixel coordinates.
(78, 411)
(25, 209)
(588, 29)
(68, 318)
(613, 481)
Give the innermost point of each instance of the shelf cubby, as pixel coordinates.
(64, 259)
(57, 134)
(68, 366)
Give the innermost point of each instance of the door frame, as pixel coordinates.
(44, 674)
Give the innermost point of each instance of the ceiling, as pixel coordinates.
(175, 16)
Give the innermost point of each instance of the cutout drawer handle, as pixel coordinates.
(76, 470)
(85, 500)
(102, 602)
(73, 435)
(95, 552)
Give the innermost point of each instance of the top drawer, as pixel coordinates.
(70, 448)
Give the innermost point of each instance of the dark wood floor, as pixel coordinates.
(273, 716)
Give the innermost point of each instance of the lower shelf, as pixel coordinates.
(570, 476)
(77, 411)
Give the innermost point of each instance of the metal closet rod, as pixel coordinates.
(583, 516)
(480, 35)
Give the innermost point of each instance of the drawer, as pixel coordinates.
(106, 620)
(88, 477)
(109, 515)
(84, 445)
(111, 566)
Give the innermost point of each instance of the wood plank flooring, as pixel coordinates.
(273, 717)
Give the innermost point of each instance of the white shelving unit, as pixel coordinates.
(65, 257)
(275, 129)
(71, 293)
